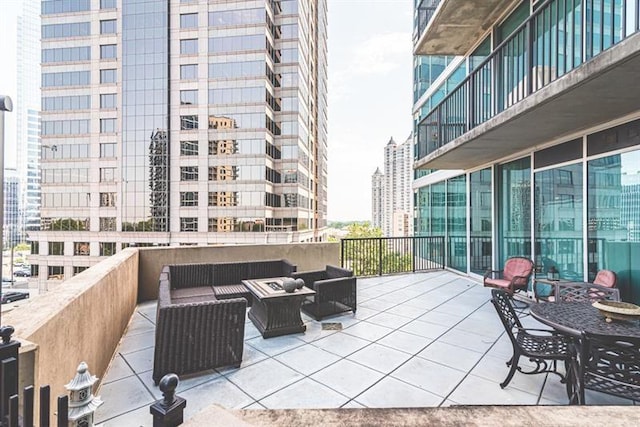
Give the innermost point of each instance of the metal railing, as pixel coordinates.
(424, 12)
(559, 36)
(372, 256)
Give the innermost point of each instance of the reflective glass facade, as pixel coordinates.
(145, 102)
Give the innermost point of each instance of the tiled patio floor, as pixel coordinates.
(416, 340)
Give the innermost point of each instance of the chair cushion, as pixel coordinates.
(497, 283)
(605, 278)
(517, 267)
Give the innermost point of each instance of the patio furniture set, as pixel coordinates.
(202, 309)
(597, 353)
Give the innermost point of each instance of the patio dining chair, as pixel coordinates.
(610, 364)
(514, 277)
(584, 292)
(542, 347)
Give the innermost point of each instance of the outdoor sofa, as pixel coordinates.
(202, 311)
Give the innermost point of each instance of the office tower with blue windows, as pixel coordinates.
(528, 141)
(189, 122)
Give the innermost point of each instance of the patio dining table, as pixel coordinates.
(572, 318)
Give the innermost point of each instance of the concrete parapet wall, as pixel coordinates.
(307, 256)
(82, 319)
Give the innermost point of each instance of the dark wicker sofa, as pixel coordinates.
(335, 291)
(202, 311)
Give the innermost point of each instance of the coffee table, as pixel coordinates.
(274, 311)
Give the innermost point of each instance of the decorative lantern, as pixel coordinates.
(552, 274)
(82, 402)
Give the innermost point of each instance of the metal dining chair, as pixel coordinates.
(582, 291)
(542, 347)
(610, 364)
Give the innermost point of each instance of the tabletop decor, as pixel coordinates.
(617, 310)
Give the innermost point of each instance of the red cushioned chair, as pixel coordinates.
(606, 278)
(514, 277)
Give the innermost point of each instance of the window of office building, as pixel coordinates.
(189, 122)
(56, 248)
(188, 173)
(107, 149)
(64, 6)
(108, 51)
(107, 174)
(107, 223)
(81, 248)
(55, 272)
(188, 20)
(66, 54)
(188, 198)
(108, 4)
(107, 248)
(107, 125)
(108, 76)
(67, 78)
(188, 97)
(188, 224)
(108, 100)
(107, 200)
(108, 26)
(188, 72)
(188, 46)
(78, 269)
(73, 29)
(188, 148)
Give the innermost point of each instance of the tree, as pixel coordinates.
(363, 229)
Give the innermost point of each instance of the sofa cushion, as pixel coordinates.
(200, 291)
(190, 275)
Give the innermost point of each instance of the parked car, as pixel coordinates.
(7, 281)
(22, 273)
(12, 296)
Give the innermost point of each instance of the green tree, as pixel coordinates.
(363, 229)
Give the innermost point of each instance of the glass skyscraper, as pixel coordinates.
(180, 123)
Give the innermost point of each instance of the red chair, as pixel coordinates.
(606, 278)
(514, 277)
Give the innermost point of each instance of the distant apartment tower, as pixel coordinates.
(28, 119)
(397, 188)
(377, 199)
(11, 233)
(180, 123)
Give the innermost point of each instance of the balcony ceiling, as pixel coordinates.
(601, 90)
(457, 26)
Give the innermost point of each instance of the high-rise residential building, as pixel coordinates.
(398, 195)
(27, 110)
(11, 233)
(377, 199)
(527, 142)
(180, 123)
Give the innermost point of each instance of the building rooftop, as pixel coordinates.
(416, 340)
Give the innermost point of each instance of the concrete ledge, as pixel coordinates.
(519, 416)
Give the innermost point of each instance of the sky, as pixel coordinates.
(370, 93)
(370, 96)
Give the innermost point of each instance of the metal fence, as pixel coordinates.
(371, 256)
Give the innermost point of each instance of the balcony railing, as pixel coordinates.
(424, 12)
(558, 37)
(372, 256)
